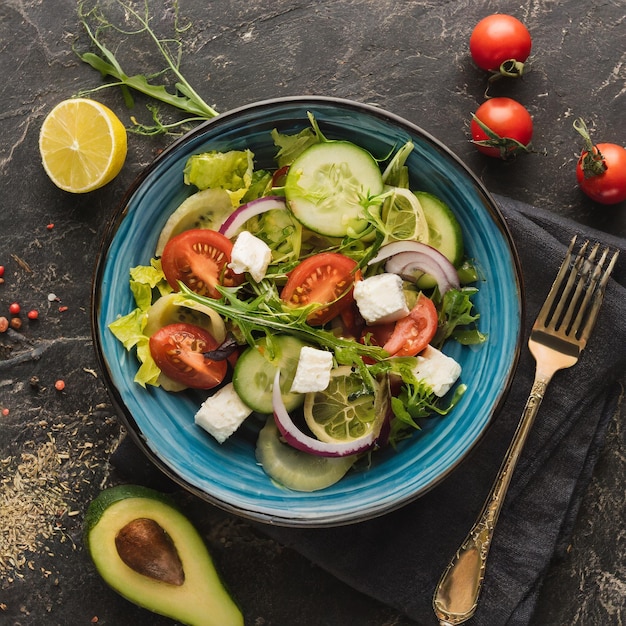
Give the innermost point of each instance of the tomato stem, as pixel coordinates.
(592, 160)
(507, 146)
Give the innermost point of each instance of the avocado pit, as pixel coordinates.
(149, 550)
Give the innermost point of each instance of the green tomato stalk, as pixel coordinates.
(593, 163)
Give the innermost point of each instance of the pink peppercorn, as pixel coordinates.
(59, 385)
(15, 308)
(33, 314)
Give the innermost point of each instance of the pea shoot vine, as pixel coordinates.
(173, 88)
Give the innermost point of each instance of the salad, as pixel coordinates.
(315, 297)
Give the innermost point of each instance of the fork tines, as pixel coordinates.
(572, 305)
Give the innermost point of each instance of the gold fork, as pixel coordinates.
(556, 340)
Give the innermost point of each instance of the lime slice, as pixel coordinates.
(404, 218)
(345, 411)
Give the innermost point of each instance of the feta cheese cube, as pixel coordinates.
(313, 371)
(222, 413)
(437, 370)
(250, 254)
(381, 298)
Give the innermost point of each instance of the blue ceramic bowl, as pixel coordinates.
(228, 475)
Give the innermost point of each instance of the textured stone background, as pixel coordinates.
(408, 57)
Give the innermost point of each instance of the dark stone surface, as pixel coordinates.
(408, 57)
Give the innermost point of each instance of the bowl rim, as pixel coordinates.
(118, 216)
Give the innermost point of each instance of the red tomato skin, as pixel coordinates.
(610, 186)
(322, 278)
(199, 258)
(415, 331)
(498, 38)
(505, 117)
(178, 349)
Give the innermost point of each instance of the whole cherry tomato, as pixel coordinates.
(601, 169)
(501, 127)
(500, 43)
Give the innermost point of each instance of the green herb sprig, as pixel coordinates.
(183, 97)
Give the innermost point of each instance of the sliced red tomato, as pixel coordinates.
(378, 334)
(178, 350)
(415, 331)
(279, 177)
(199, 258)
(326, 278)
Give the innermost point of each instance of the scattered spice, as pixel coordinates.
(53, 297)
(25, 266)
(32, 495)
(62, 309)
(50, 226)
(33, 314)
(15, 323)
(59, 385)
(5, 411)
(4, 324)
(15, 308)
(1, 270)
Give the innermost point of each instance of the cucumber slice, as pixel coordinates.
(255, 369)
(173, 309)
(444, 232)
(204, 209)
(326, 186)
(294, 469)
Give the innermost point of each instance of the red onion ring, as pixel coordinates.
(237, 218)
(405, 258)
(301, 441)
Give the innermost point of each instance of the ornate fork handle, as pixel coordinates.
(456, 595)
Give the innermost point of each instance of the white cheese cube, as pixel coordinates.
(250, 254)
(381, 298)
(313, 371)
(222, 414)
(437, 370)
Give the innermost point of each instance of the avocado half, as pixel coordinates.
(150, 553)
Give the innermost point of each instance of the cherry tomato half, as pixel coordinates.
(510, 128)
(199, 258)
(415, 331)
(324, 278)
(178, 351)
(608, 186)
(498, 38)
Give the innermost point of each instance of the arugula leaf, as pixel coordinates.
(267, 314)
(456, 309)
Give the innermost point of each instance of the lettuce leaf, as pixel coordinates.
(129, 328)
(292, 146)
(231, 171)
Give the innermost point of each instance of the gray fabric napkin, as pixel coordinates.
(398, 558)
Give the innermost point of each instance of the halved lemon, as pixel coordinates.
(345, 411)
(82, 144)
